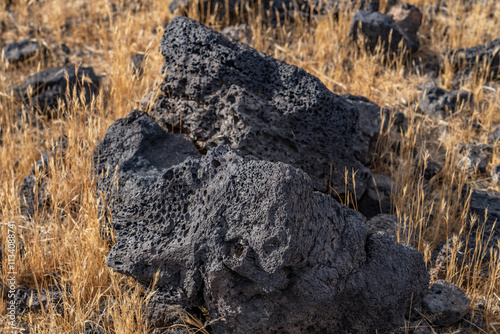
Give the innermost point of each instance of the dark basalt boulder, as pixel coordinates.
(45, 89)
(224, 93)
(484, 59)
(247, 238)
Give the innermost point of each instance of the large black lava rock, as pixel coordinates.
(250, 240)
(224, 93)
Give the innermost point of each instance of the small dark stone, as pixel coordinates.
(446, 304)
(438, 102)
(18, 52)
(468, 61)
(375, 27)
(44, 89)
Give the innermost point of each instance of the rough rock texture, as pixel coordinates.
(18, 52)
(148, 152)
(476, 157)
(373, 27)
(32, 194)
(227, 93)
(247, 238)
(377, 198)
(445, 304)
(389, 224)
(439, 103)
(369, 125)
(450, 252)
(43, 90)
(468, 61)
(34, 299)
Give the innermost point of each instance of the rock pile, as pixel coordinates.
(227, 93)
(241, 231)
(247, 238)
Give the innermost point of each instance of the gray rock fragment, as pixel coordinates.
(485, 212)
(45, 89)
(446, 304)
(439, 103)
(137, 61)
(225, 93)
(390, 225)
(246, 239)
(17, 52)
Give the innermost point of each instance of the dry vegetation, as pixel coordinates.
(63, 244)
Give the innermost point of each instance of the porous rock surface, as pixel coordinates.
(250, 240)
(144, 152)
(445, 304)
(224, 93)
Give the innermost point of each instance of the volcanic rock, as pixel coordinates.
(438, 102)
(445, 304)
(45, 89)
(495, 174)
(373, 27)
(247, 238)
(17, 52)
(148, 152)
(224, 93)
(484, 58)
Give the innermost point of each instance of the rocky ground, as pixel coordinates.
(236, 167)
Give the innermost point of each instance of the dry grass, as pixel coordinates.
(63, 244)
